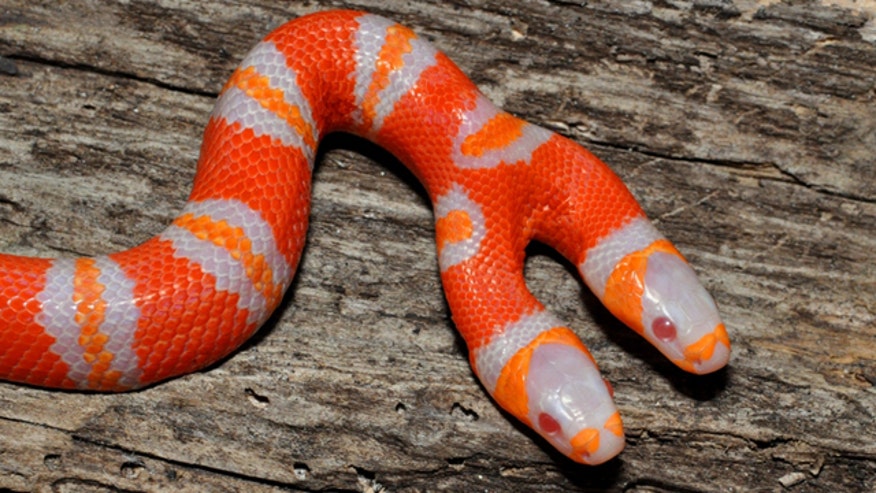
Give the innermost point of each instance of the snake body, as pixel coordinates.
(195, 292)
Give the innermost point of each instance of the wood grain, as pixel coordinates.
(746, 128)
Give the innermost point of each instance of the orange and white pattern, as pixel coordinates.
(194, 293)
(459, 227)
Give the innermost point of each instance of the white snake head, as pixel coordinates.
(680, 318)
(570, 404)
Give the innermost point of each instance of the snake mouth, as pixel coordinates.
(594, 447)
(707, 355)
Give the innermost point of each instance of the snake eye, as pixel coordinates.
(548, 424)
(664, 329)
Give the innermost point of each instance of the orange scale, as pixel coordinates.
(21, 318)
(40, 368)
(174, 351)
(210, 328)
(104, 358)
(15, 303)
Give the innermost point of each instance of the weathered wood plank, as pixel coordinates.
(746, 128)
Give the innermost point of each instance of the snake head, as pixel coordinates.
(571, 406)
(647, 284)
(680, 318)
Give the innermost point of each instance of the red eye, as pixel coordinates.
(548, 424)
(664, 329)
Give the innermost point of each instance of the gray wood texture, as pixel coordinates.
(746, 128)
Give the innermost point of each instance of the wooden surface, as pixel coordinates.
(746, 128)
